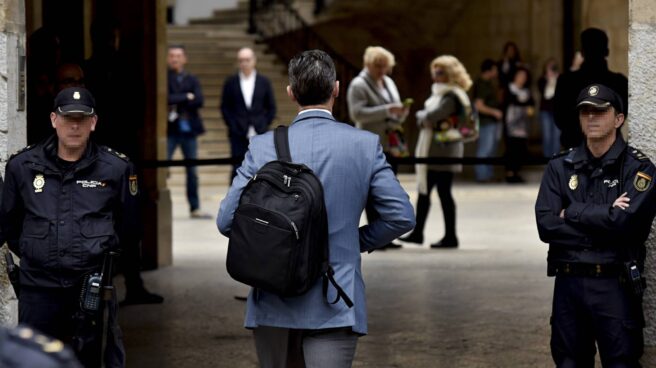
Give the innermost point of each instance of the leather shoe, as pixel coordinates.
(413, 238)
(141, 297)
(392, 245)
(446, 243)
(200, 215)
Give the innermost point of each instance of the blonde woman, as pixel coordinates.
(374, 102)
(447, 103)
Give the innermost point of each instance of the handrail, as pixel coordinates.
(287, 33)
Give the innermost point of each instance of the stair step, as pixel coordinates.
(211, 45)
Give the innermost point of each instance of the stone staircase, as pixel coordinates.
(211, 45)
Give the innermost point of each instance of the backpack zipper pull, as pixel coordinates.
(295, 230)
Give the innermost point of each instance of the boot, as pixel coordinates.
(451, 242)
(417, 235)
(450, 239)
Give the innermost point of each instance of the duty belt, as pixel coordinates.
(584, 269)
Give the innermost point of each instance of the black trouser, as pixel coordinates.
(369, 209)
(130, 266)
(444, 181)
(238, 148)
(595, 309)
(516, 151)
(52, 311)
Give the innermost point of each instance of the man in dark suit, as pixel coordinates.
(594, 70)
(247, 104)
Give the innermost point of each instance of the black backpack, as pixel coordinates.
(279, 237)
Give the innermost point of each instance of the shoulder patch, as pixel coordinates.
(117, 154)
(642, 181)
(24, 149)
(569, 152)
(562, 153)
(637, 154)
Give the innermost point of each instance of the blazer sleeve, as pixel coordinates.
(392, 204)
(356, 97)
(227, 103)
(174, 97)
(229, 204)
(198, 100)
(270, 101)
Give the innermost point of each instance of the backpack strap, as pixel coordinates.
(328, 276)
(281, 141)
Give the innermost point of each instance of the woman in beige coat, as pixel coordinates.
(374, 103)
(447, 103)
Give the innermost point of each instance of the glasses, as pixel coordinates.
(439, 73)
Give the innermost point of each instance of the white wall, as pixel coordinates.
(186, 9)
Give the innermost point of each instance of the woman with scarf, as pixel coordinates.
(446, 108)
(375, 105)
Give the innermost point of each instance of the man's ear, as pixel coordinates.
(336, 90)
(290, 93)
(53, 116)
(93, 124)
(619, 120)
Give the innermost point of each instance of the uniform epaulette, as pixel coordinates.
(30, 339)
(562, 153)
(24, 149)
(637, 154)
(117, 154)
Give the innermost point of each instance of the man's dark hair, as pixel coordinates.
(312, 77)
(177, 46)
(487, 64)
(594, 43)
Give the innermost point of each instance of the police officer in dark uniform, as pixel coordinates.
(66, 203)
(595, 208)
(22, 347)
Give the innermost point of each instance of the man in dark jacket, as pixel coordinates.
(595, 208)
(594, 46)
(66, 202)
(185, 125)
(247, 104)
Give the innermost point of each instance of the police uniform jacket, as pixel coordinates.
(60, 222)
(593, 231)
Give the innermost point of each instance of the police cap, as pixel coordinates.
(75, 101)
(599, 96)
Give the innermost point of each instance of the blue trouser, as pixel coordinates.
(595, 309)
(488, 142)
(550, 134)
(189, 146)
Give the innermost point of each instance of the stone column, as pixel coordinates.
(642, 74)
(12, 115)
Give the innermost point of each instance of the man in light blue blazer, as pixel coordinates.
(350, 165)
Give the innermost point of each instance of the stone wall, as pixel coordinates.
(642, 73)
(12, 116)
